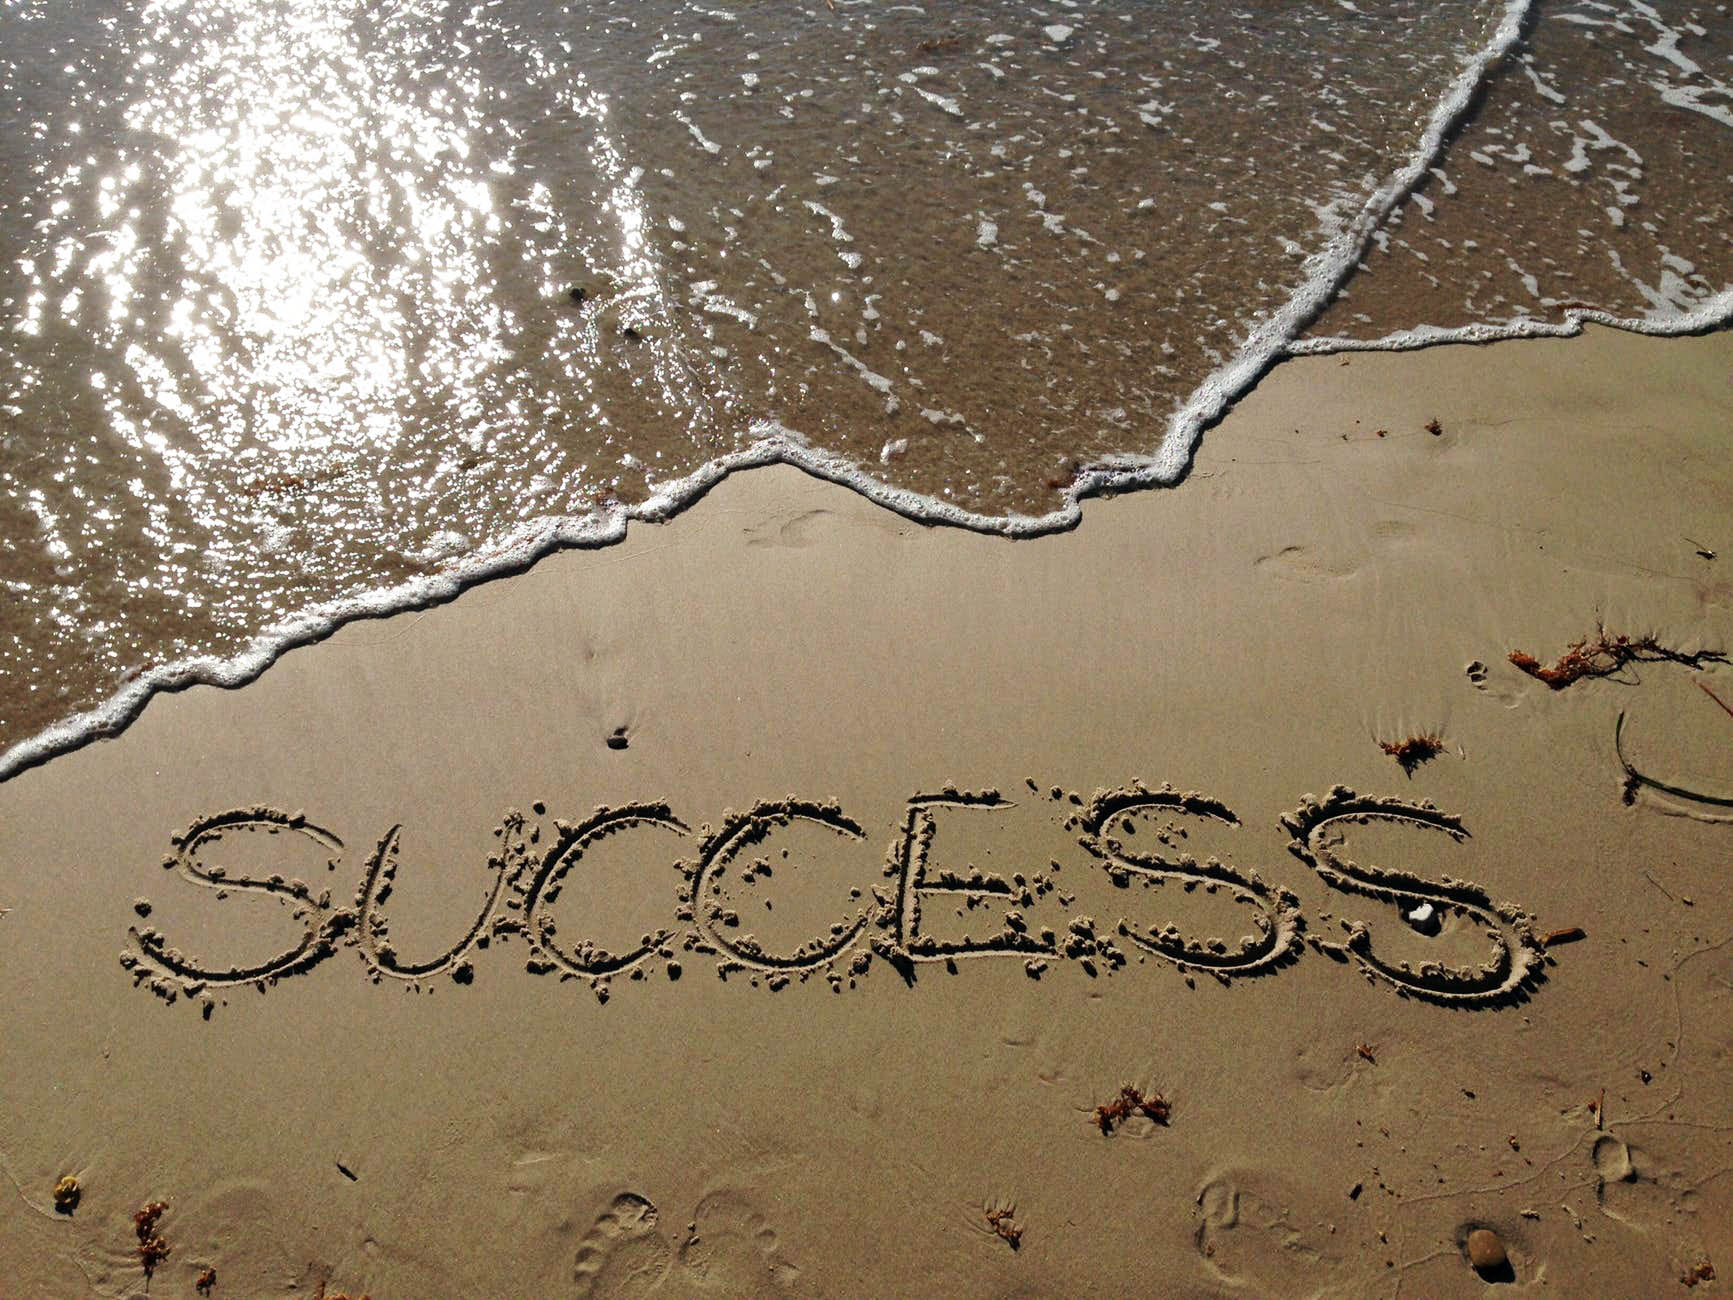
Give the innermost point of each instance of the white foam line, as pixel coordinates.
(1712, 314)
(775, 444)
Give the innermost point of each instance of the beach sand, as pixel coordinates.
(939, 728)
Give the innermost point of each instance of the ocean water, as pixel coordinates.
(314, 308)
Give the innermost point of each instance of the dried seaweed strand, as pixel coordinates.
(1604, 654)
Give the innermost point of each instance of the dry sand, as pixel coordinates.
(1332, 575)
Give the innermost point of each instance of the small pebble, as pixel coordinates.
(1485, 1251)
(1424, 918)
(67, 1194)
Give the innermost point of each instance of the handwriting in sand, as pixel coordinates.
(1132, 836)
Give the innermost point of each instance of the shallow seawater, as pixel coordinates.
(310, 306)
(1597, 173)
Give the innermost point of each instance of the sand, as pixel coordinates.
(570, 1023)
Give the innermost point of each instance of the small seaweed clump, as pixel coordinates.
(205, 1281)
(1411, 752)
(1700, 1272)
(1604, 654)
(1005, 1227)
(67, 1194)
(1132, 1101)
(152, 1249)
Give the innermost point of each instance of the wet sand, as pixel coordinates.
(460, 955)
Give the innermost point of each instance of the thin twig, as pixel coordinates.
(1704, 687)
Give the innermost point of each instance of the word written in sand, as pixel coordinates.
(1132, 836)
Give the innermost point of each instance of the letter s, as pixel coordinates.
(1515, 965)
(1104, 833)
(321, 924)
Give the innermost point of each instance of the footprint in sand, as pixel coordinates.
(1632, 1189)
(1247, 1236)
(730, 1250)
(622, 1255)
(1638, 1190)
(1502, 689)
(794, 531)
(1300, 564)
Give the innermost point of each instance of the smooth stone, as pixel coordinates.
(1485, 1250)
